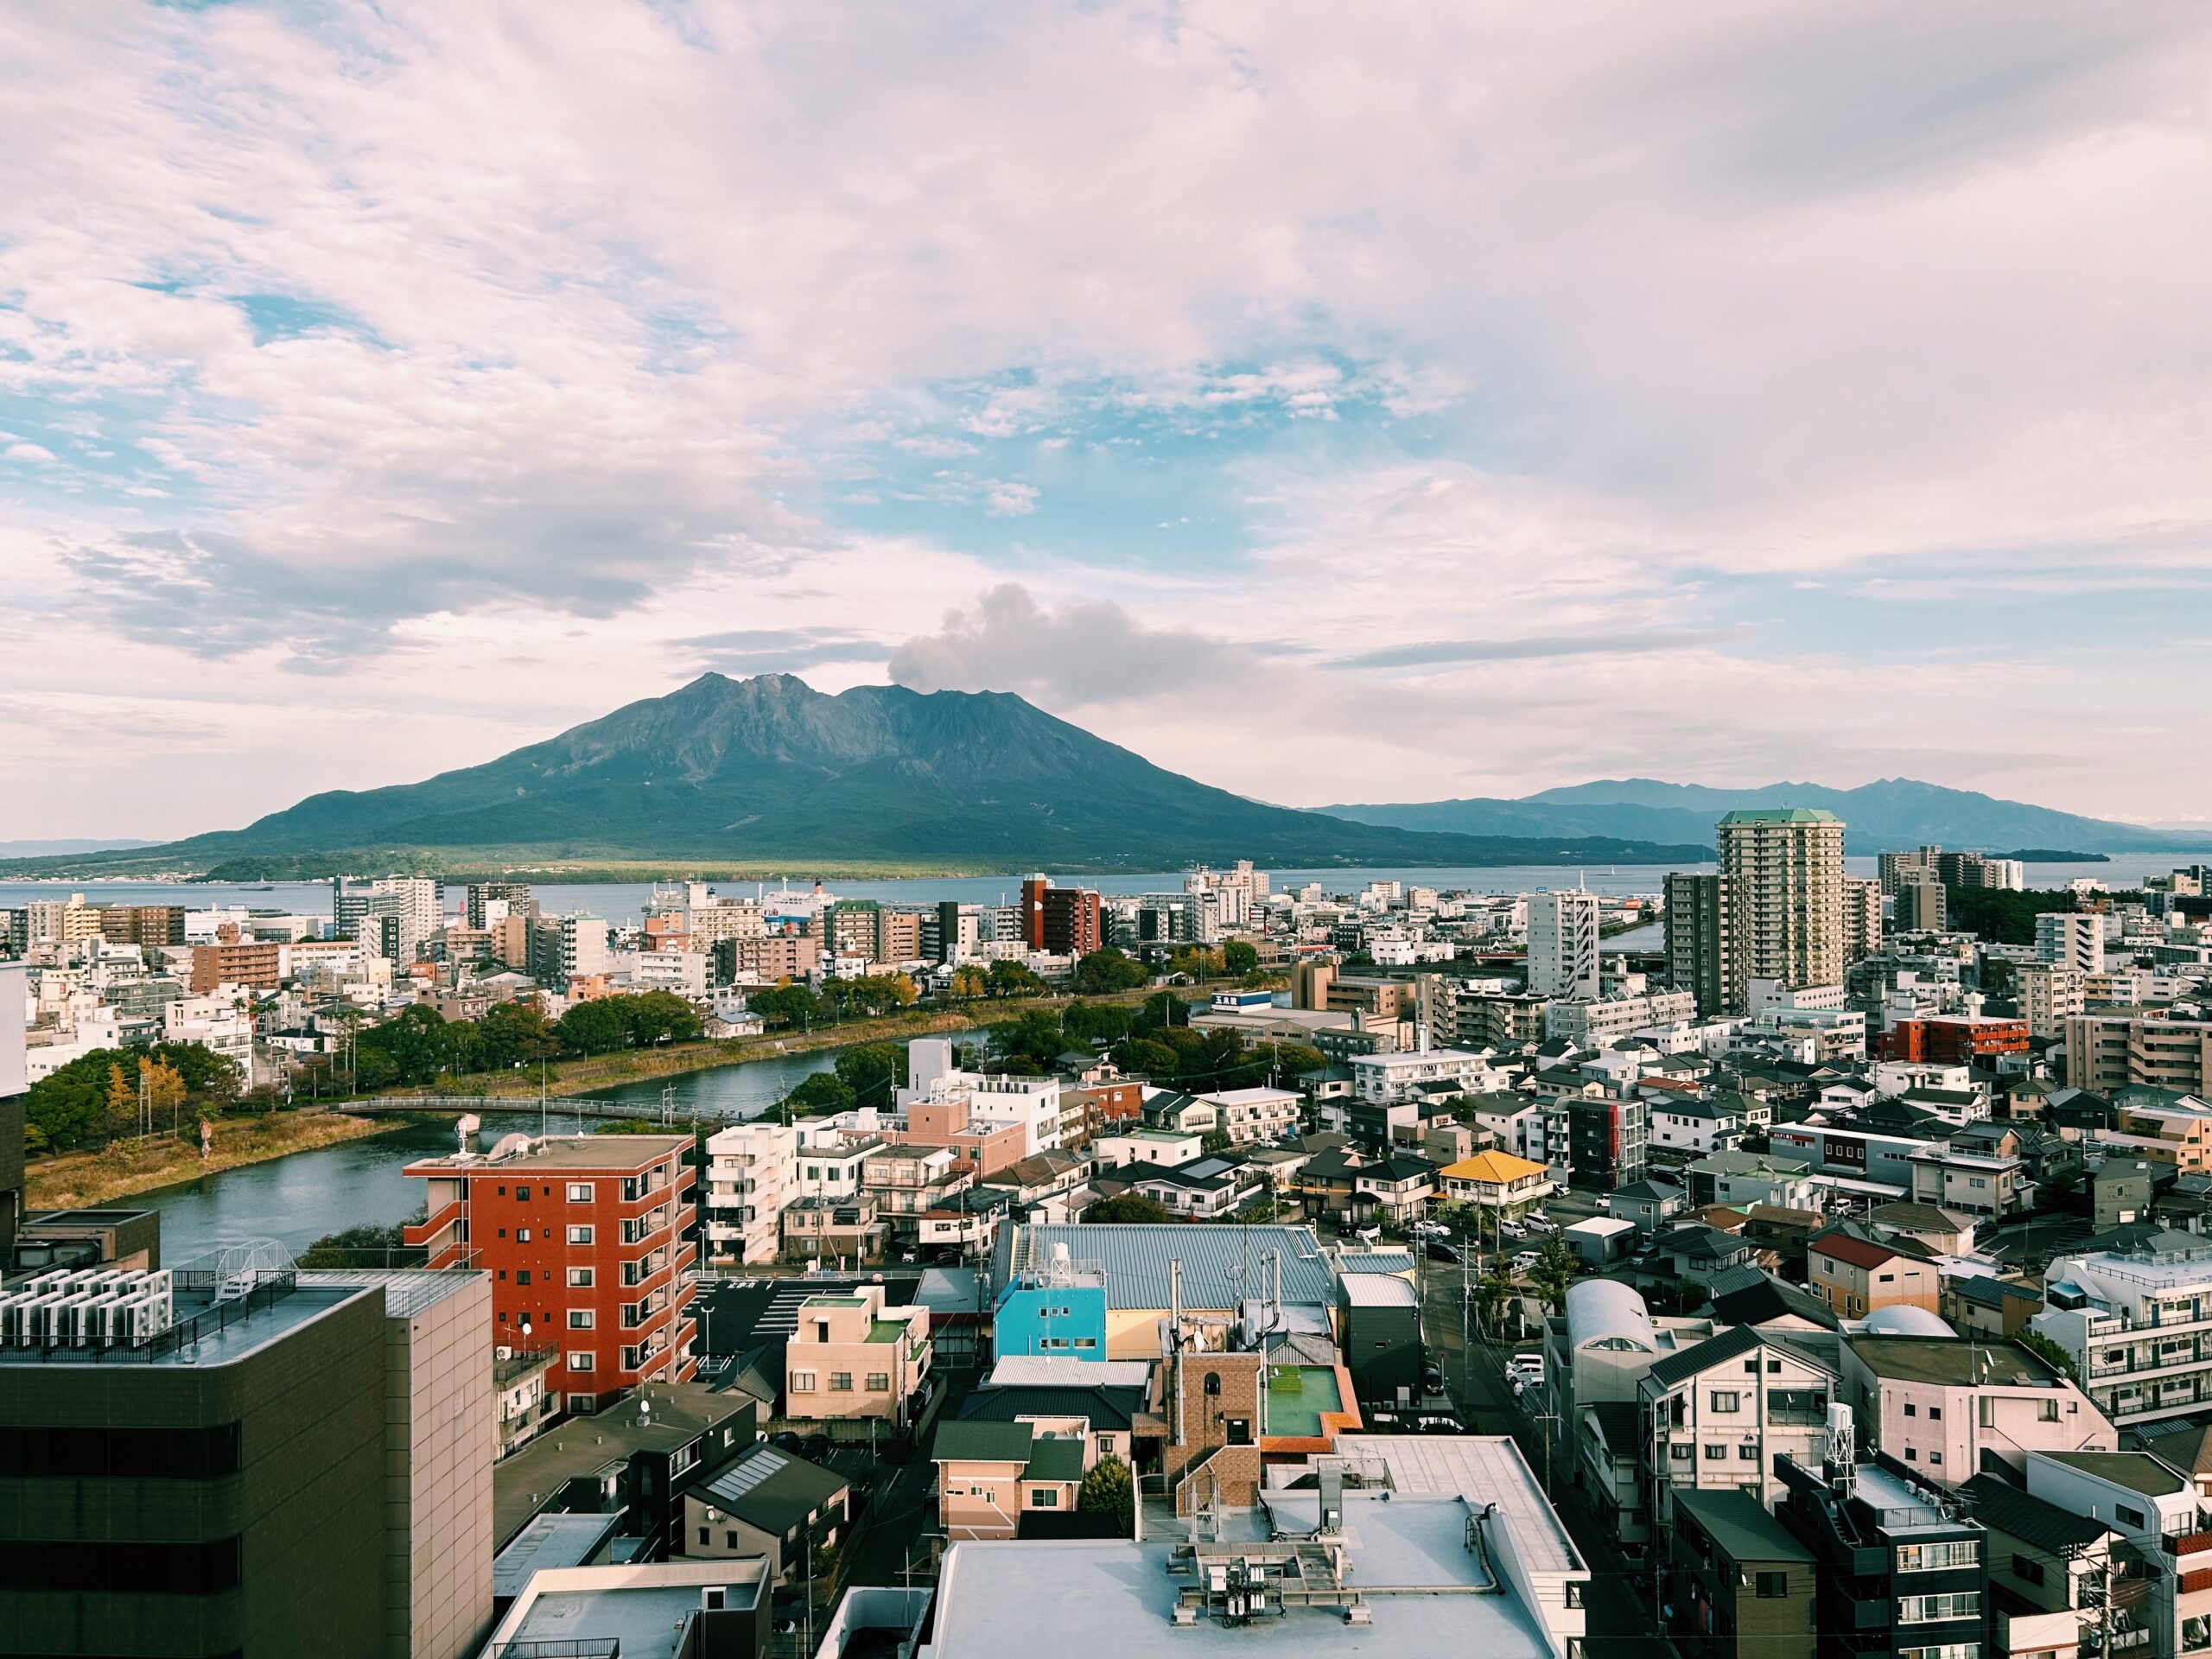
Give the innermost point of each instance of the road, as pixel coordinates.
(1618, 1623)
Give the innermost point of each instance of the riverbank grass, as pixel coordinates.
(78, 1180)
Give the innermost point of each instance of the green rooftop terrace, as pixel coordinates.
(1297, 1396)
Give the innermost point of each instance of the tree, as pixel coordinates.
(2048, 1351)
(625, 1126)
(1162, 1009)
(870, 1071)
(969, 981)
(1108, 1489)
(1240, 956)
(787, 1005)
(514, 1033)
(369, 1245)
(1142, 1058)
(164, 1090)
(658, 1017)
(1129, 1207)
(1108, 970)
(1553, 1272)
(122, 1097)
(1014, 979)
(1491, 1292)
(823, 1095)
(594, 1027)
(1215, 1141)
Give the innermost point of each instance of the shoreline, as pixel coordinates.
(85, 1180)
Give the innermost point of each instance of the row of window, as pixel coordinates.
(1931, 1558)
(524, 1235)
(202, 1569)
(1935, 1609)
(1681, 1451)
(841, 1382)
(634, 1274)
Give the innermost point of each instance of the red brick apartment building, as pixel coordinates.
(1958, 1041)
(583, 1237)
(1062, 921)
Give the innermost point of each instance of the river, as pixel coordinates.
(297, 1200)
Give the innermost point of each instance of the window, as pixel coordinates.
(1929, 1557)
(879, 1382)
(583, 1360)
(1105, 1445)
(2027, 1570)
(729, 1538)
(1213, 1382)
(522, 1192)
(579, 1278)
(802, 1381)
(705, 1537)
(1045, 1497)
(1774, 1368)
(1240, 1431)
(1727, 1399)
(580, 1318)
(522, 1234)
(1747, 1452)
(1935, 1414)
(522, 1275)
(579, 1192)
(1934, 1457)
(1682, 1454)
(1715, 1454)
(841, 1382)
(1750, 1368)
(2047, 1411)
(1772, 1586)
(1930, 1610)
(1948, 1651)
(2128, 1517)
(580, 1235)
(1911, 1410)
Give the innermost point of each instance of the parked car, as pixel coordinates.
(1528, 1367)
(1437, 1251)
(1525, 1261)
(1429, 1229)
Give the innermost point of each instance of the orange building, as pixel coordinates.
(1956, 1040)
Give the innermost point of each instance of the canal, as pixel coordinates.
(297, 1200)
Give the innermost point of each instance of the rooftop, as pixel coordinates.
(679, 1413)
(772, 1488)
(210, 1328)
(2137, 1470)
(1781, 815)
(407, 1291)
(561, 1539)
(1222, 1266)
(1121, 1596)
(1481, 1468)
(1297, 1397)
(616, 1153)
(1741, 1526)
(644, 1608)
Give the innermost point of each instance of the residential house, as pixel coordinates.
(1942, 1232)
(1982, 1305)
(1496, 1184)
(1396, 1190)
(752, 1173)
(1683, 1130)
(1739, 1582)
(1747, 1178)
(1945, 1408)
(1166, 1148)
(1255, 1116)
(1697, 1255)
(851, 1361)
(1722, 1412)
(2165, 1537)
(1647, 1205)
(771, 1503)
(991, 1475)
(1206, 1190)
(1855, 1276)
(1958, 1174)
(2051, 1576)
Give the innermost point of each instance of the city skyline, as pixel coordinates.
(1498, 402)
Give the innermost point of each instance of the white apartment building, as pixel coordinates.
(2050, 993)
(684, 972)
(2138, 1327)
(1251, 1117)
(711, 923)
(1396, 1076)
(2072, 939)
(217, 1023)
(830, 1162)
(752, 1173)
(583, 946)
(1939, 1404)
(1563, 944)
(1603, 1020)
(1033, 1102)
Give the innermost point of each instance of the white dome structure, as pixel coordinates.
(1905, 1321)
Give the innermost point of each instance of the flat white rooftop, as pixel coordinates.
(1407, 1555)
(1483, 1469)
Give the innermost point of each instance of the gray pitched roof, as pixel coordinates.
(772, 1488)
(1222, 1266)
(2000, 1504)
(1714, 1350)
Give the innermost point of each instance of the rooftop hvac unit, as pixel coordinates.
(88, 1317)
(58, 1319)
(137, 1318)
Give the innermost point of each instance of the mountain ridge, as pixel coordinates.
(1889, 814)
(768, 769)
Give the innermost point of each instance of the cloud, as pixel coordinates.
(1003, 500)
(1427, 653)
(1080, 654)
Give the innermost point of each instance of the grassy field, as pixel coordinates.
(77, 1180)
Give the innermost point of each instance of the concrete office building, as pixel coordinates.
(249, 1463)
(1862, 918)
(2050, 993)
(2071, 940)
(1563, 944)
(1923, 905)
(1781, 914)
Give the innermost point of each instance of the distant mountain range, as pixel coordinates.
(45, 849)
(1895, 813)
(769, 774)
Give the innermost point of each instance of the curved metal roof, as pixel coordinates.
(1901, 1320)
(1601, 1308)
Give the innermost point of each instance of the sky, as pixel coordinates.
(1335, 403)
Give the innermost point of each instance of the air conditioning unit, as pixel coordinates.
(503, 1353)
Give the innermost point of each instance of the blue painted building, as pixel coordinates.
(1059, 1308)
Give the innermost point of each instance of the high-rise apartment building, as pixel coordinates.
(584, 1239)
(485, 902)
(1862, 918)
(1563, 944)
(2071, 940)
(583, 946)
(2048, 994)
(142, 924)
(1060, 921)
(1697, 946)
(751, 1174)
(1923, 903)
(393, 916)
(1783, 914)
